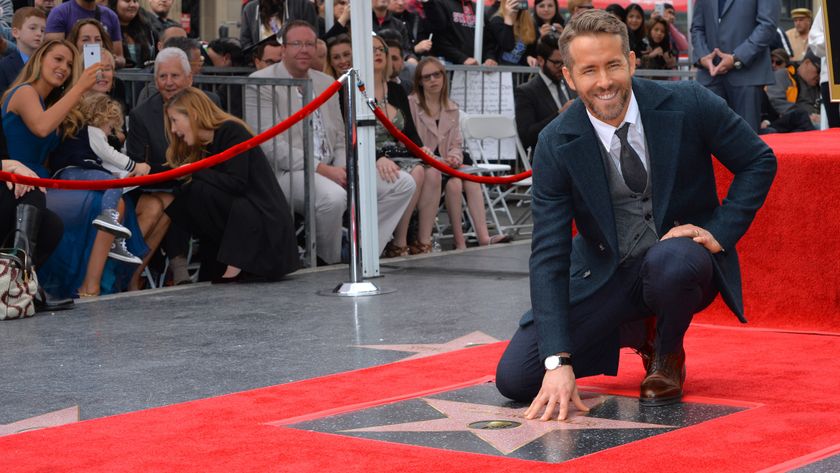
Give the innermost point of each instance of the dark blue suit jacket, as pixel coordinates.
(10, 67)
(684, 124)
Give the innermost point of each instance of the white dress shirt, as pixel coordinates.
(635, 135)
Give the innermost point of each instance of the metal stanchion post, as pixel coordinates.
(355, 287)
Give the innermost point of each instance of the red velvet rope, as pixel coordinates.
(440, 166)
(183, 170)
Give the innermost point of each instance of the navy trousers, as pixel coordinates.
(673, 281)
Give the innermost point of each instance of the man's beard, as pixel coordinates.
(549, 74)
(607, 113)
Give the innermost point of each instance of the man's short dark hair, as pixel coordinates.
(258, 50)
(590, 23)
(229, 46)
(668, 6)
(547, 44)
(295, 24)
(392, 37)
(394, 44)
(184, 44)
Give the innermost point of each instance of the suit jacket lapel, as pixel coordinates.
(583, 157)
(726, 6)
(661, 126)
(549, 105)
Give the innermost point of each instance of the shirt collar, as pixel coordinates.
(606, 131)
(546, 79)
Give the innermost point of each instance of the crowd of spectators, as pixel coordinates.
(65, 121)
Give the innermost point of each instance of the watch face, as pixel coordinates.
(552, 362)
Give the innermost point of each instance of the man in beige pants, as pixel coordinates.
(265, 106)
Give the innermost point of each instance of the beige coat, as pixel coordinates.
(445, 136)
(264, 109)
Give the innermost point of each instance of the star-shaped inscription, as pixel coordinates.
(50, 419)
(459, 416)
(421, 350)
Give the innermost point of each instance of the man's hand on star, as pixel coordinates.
(699, 235)
(558, 388)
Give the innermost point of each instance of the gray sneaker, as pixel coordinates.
(120, 252)
(109, 221)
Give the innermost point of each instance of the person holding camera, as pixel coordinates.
(547, 17)
(511, 34)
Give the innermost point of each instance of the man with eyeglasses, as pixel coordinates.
(545, 96)
(794, 98)
(265, 106)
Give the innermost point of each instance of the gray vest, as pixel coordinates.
(633, 212)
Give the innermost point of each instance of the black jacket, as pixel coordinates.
(239, 211)
(535, 108)
(453, 29)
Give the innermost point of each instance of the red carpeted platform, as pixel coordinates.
(790, 255)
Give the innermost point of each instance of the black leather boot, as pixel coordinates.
(28, 222)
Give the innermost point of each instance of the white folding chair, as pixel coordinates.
(499, 127)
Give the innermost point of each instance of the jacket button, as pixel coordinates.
(601, 247)
(677, 223)
(648, 216)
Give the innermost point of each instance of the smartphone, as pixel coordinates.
(659, 9)
(523, 4)
(92, 54)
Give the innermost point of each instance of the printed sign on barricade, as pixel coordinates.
(489, 93)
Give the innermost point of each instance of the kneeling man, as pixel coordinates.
(630, 163)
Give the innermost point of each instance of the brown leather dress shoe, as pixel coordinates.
(646, 351)
(663, 384)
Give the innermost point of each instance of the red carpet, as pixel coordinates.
(793, 377)
(790, 255)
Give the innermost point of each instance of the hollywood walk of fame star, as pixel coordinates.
(422, 350)
(459, 416)
(50, 419)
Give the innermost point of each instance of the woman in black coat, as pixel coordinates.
(235, 208)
